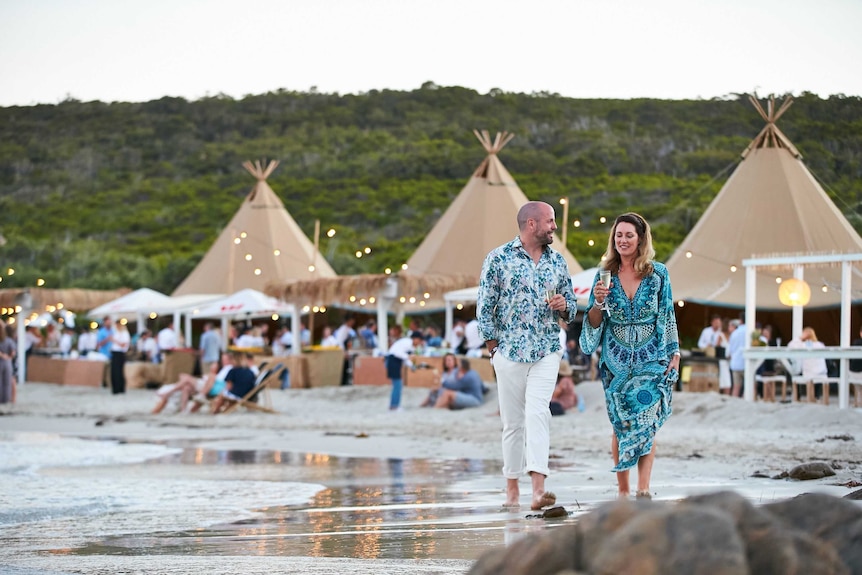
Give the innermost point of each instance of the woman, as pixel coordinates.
(639, 361)
(449, 375)
(7, 377)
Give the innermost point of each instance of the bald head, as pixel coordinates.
(532, 211)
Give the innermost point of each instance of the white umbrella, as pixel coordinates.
(140, 301)
(245, 303)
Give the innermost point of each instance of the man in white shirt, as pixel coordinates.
(711, 336)
(166, 340)
(473, 341)
(344, 335)
(86, 341)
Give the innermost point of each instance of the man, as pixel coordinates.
(464, 392)
(519, 326)
(735, 348)
(711, 336)
(239, 381)
(147, 349)
(210, 347)
(345, 335)
(473, 341)
(103, 337)
(166, 340)
(86, 341)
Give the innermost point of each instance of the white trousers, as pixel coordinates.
(524, 391)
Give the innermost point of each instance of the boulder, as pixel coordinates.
(809, 471)
(720, 533)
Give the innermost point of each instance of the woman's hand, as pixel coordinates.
(674, 364)
(601, 291)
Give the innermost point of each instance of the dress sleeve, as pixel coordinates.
(668, 335)
(591, 337)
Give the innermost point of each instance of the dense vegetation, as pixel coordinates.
(107, 195)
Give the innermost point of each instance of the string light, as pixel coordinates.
(40, 282)
(276, 252)
(372, 299)
(243, 235)
(591, 243)
(367, 250)
(602, 220)
(330, 232)
(10, 272)
(362, 301)
(680, 303)
(248, 257)
(733, 269)
(275, 317)
(237, 241)
(402, 299)
(404, 267)
(358, 254)
(311, 268)
(387, 271)
(257, 271)
(153, 315)
(577, 223)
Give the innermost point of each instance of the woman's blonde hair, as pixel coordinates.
(646, 253)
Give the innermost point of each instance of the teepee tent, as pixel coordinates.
(481, 218)
(261, 244)
(771, 204)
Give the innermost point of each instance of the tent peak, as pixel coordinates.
(258, 171)
(492, 147)
(499, 142)
(770, 136)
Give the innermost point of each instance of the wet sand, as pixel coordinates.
(335, 483)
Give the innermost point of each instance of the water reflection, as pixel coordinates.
(370, 508)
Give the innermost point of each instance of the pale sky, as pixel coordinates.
(139, 50)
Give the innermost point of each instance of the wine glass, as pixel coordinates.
(605, 278)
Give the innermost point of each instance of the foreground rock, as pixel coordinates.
(716, 534)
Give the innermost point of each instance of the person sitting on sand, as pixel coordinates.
(464, 392)
(239, 381)
(187, 385)
(564, 397)
(450, 373)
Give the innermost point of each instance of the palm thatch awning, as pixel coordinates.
(341, 289)
(72, 299)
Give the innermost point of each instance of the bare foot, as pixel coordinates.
(643, 494)
(623, 495)
(543, 500)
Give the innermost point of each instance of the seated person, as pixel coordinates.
(564, 397)
(449, 375)
(239, 381)
(811, 366)
(464, 392)
(187, 385)
(212, 388)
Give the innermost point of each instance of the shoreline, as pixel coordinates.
(711, 442)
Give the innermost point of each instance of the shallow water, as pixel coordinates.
(78, 497)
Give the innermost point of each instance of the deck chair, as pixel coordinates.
(267, 376)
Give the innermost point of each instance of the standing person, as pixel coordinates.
(344, 335)
(103, 337)
(120, 342)
(735, 349)
(7, 373)
(518, 322)
(397, 358)
(86, 341)
(639, 362)
(712, 336)
(210, 347)
(167, 341)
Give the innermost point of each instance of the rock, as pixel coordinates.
(831, 520)
(720, 533)
(854, 495)
(555, 512)
(692, 540)
(813, 470)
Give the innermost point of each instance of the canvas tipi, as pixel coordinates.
(771, 204)
(261, 244)
(481, 218)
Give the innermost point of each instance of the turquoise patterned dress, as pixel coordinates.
(638, 338)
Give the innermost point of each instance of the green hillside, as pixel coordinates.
(107, 195)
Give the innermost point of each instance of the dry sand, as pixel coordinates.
(710, 442)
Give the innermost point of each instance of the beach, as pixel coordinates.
(336, 483)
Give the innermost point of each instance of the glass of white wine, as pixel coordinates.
(605, 278)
